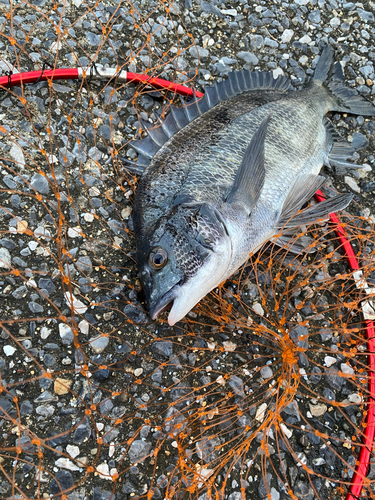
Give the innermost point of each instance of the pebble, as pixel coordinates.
(66, 333)
(62, 385)
(73, 451)
(260, 413)
(329, 361)
(63, 480)
(138, 450)
(258, 309)
(318, 410)
(352, 184)
(366, 15)
(5, 259)
(66, 463)
(82, 434)
(77, 305)
(98, 344)
(17, 154)
(40, 183)
(9, 350)
(266, 372)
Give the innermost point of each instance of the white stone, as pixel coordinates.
(318, 410)
(229, 346)
(32, 245)
(277, 72)
(17, 154)
(78, 306)
(329, 361)
(275, 495)
(73, 450)
(306, 38)
(5, 258)
(286, 431)
(66, 463)
(355, 398)
(74, 232)
(345, 368)
(84, 327)
(352, 184)
(88, 217)
(45, 332)
(287, 36)
(103, 471)
(138, 372)
(318, 461)
(259, 416)
(9, 350)
(258, 309)
(229, 12)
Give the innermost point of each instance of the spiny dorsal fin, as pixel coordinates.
(178, 117)
(250, 175)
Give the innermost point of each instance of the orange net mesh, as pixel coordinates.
(261, 393)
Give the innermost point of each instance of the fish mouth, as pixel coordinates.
(165, 302)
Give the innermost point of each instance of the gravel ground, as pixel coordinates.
(98, 401)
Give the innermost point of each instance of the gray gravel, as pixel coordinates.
(116, 389)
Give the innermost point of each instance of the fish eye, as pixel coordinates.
(158, 258)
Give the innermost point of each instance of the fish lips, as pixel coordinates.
(164, 301)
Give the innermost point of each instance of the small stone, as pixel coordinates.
(22, 226)
(329, 361)
(62, 481)
(138, 450)
(275, 495)
(66, 463)
(74, 232)
(5, 258)
(305, 39)
(17, 154)
(45, 332)
(66, 333)
(198, 52)
(318, 461)
(45, 411)
(77, 305)
(40, 183)
(287, 36)
(73, 451)
(259, 416)
(20, 292)
(347, 369)
(84, 264)
(366, 15)
(138, 372)
(355, 398)
(229, 346)
(352, 184)
(82, 434)
(84, 327)
(103, 471)
(314, 16)
(266, 372)
(318, 410)
(335, 22)
(258, 309)
(62, 385)
(98, 344)
(88, 217)
(35, 307)
(286, 430)
(9, 350)
(248, 57)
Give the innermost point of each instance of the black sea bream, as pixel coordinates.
(225, 173)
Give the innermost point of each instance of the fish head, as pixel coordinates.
(185, 257)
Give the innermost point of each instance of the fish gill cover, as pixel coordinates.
(262, 392)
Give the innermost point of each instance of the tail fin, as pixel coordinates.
(329, 75)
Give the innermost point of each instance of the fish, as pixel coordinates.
(224, 174)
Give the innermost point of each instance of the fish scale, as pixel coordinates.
(226, 173)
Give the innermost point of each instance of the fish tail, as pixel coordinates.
(329, 74)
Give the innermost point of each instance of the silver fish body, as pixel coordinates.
(226, 173)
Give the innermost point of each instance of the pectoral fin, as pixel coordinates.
(249, 180)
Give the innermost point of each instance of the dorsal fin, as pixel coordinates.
(178, 117)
